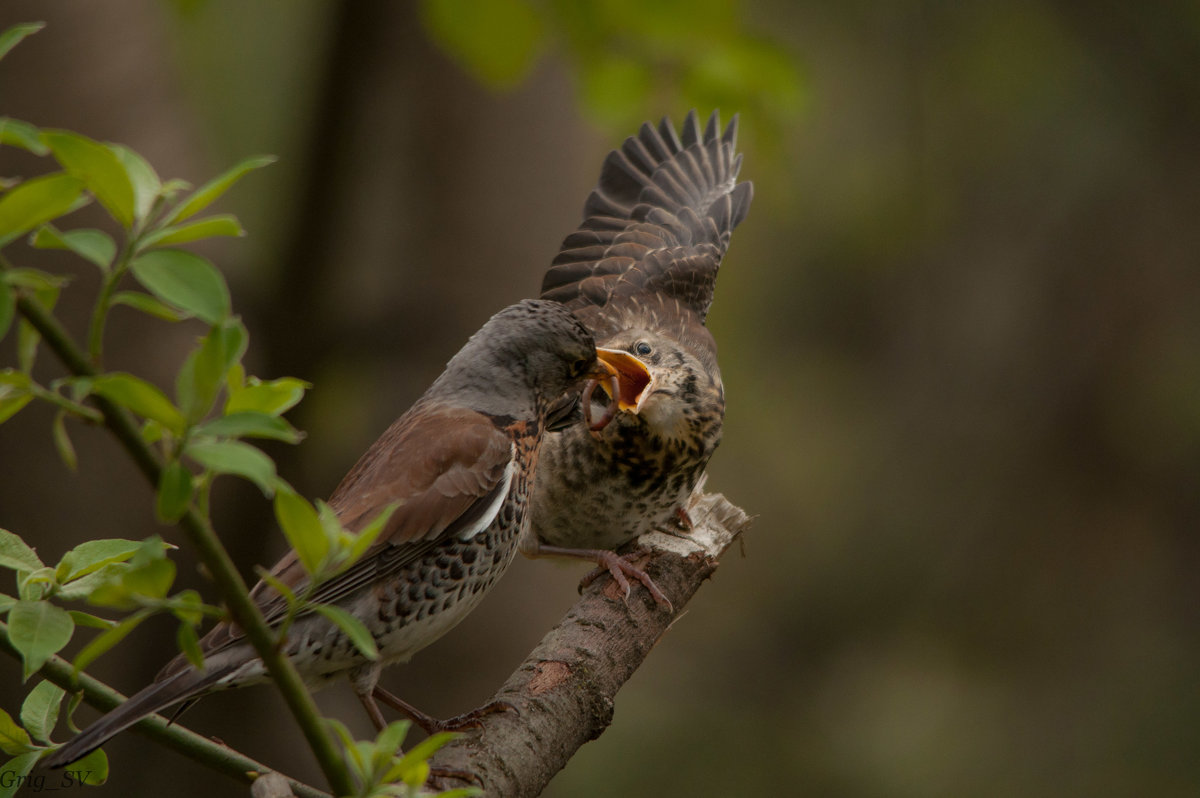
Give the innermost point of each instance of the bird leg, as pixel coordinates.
(373, 712)
(432, 725)
(429, 724)
(617, 566)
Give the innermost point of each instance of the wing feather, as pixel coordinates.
(665, 202)
(447, 470)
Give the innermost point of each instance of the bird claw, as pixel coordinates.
(619, 568)
(439, 776)
(467, 720)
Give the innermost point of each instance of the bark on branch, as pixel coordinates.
(564, 691)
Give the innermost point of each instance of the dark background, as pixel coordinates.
(960, 335)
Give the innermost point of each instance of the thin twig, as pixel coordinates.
(215, 756)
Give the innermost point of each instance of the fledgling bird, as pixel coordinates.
(458, 465)
(640, 272)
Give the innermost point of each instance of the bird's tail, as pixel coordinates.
(179, 686)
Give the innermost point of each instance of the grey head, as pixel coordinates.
(519, 362)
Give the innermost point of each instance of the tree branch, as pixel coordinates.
(564, 690)
(215, 756)
(216, 559)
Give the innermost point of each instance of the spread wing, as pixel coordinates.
(448, 470)
(658, 223)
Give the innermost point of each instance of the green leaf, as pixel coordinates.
(189, 644)
(208, 227)
(355, 629)
(39, 713)
(38, 630)
(16, 133)
(185, 281)
(27, 345)
(387, 743)
(331, 524)
(100, 169)
(237, 458)
(143, 178)
(83, 587)
(93, 245)
(37, 201)
(141, 397)
(370, 533)
(208, 193)
(147, 304)
(44, 285)
(82, 618)
(6, 603)
(413, 767)
(13, 739)
(10, 405)
(151, 580)
(13, 35)
(92, 555)
(62, 441)
(35, 585)
(496, 40)
(73, 704)
(279, 587)
(16, 554)
(251, 424)
(302, 528)
(272, 398)
(188, 607)
(129, 587)
(91, 771)
(172, 187)
(8, 307)
(203, 374)
(15, 773)
(174, 492)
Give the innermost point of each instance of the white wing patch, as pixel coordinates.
(493, 509)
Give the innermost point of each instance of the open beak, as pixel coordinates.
(623, 377)
(633, 379)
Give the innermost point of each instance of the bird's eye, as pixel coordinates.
(642, 349)
(579, 366)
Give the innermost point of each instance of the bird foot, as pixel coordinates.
(439, 778)
(468, 720)
(432, 725)
(621, 569)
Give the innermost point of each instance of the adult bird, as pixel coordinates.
(458, 467)
(640, 272)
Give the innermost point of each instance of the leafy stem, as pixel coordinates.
(211, 552)
(98, 694)
(78, 409)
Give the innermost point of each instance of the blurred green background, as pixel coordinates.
(960, 335)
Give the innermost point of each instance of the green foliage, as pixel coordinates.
(39, 713)
(148, 225)
(628, 55)
(325, 549)
(380, 769)
(498, 41)
(37, 630)
(184, 281)
(11, 37)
